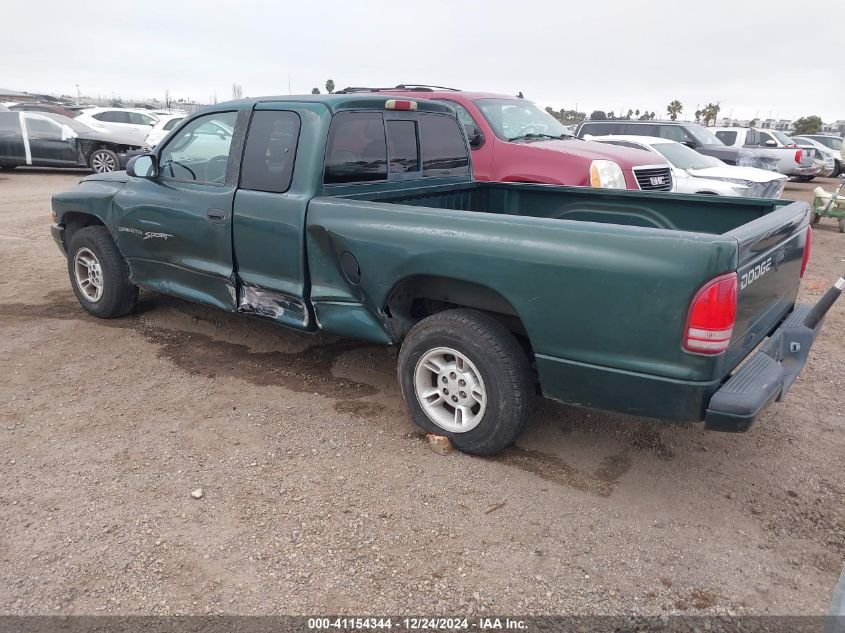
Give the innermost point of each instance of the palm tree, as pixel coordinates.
(674, 109)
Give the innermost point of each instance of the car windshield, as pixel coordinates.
(520, 119)
(683, 157)
(830, 141)
(783, 138)
(73, 124)
(703, 135)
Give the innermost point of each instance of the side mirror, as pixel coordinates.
(770, 143)
(143, 166)
(690, 144)
(474, 135)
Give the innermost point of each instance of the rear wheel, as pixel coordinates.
(103, 161)
(842, 225)
(837, 168)
(99, 274)
(464, 375)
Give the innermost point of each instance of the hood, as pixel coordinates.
(626, 157)
(750, 174)
(112, 176)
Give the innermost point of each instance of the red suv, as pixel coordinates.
(513, 140)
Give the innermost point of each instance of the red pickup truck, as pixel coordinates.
(512, 140)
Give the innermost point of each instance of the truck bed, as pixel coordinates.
(679, 212)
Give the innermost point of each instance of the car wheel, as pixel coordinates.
(9, 167)
(103, 161)
(816, 217)
(464, 375)
(99, 274)
(842, 225)
(837, 168)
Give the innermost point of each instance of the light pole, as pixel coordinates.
(77, 95)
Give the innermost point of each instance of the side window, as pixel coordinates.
(599, 129)
(641, 129)
(762, 137)
(442, 146)
(463, 114)
(172, 123)
(200, 151)
(136, 118)
(728, 137)
(673, 132)
(43, 128)
(402, 147)
(270, 151)
(357, 149)
(112, 116)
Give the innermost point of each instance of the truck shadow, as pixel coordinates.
(314, 368)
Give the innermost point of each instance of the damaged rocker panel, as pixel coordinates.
(274, 305)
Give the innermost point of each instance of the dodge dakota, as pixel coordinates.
(358, 216)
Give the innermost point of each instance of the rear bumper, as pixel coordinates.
(58, 233)
(725, 405)
(812, 170)
(765, 377)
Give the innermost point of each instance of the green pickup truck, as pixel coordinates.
(358, 216)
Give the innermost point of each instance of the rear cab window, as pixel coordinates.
(372, 146)
(728, 137)
(270, 151)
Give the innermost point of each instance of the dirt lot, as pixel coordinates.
(321, 496)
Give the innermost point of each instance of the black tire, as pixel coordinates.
(7, 167)
(837, 169)
(119, 295)
(103, 161)
(501, 362)
(809, 179)
(842, 225)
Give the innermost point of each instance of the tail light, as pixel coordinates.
(711, 317)
(807, 247)
(798, 156)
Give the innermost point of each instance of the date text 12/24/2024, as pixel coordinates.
(417, 624)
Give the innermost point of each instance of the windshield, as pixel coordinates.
(517, 118)
(683, 157)
(783, 138)
(829, 141)
(703, 135)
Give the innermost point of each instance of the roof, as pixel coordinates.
(633, 138)
(429, 92)
(15, 93)
(638, 122)
(334, 101)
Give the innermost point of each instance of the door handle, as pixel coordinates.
(217, 216)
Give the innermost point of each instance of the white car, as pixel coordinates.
(128, 123)
(831, 157)
(696, 173)
(164, 124)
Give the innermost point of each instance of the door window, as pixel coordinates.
(402, 147)
(171, 124)
(43, 128)
(442, 146)
(270, 151)
(112, 116)
(357, 149)
(599, 129)
(728, 137)
(673, 132)
(200, 151)
(763, 137)
(136, 118)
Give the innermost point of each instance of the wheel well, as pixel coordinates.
(417, 297)
(73, 221)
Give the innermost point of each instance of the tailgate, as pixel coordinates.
(771, 251)
(807, 156)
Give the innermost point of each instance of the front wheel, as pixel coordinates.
(99, 274)
(103, 161)
(464, 375)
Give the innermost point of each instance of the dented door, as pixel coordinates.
(269, 217)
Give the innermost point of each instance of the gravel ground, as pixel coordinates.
(320, 496)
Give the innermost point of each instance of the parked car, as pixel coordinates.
(128, 123)
(44, 139)
(693, 135)
(834, 143)
(53, 108)
(164, 124)
(696, 173)
(793, 160)
(357, 215)
(512, 140)
(832, 158)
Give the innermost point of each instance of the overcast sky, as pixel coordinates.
(750, 55)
